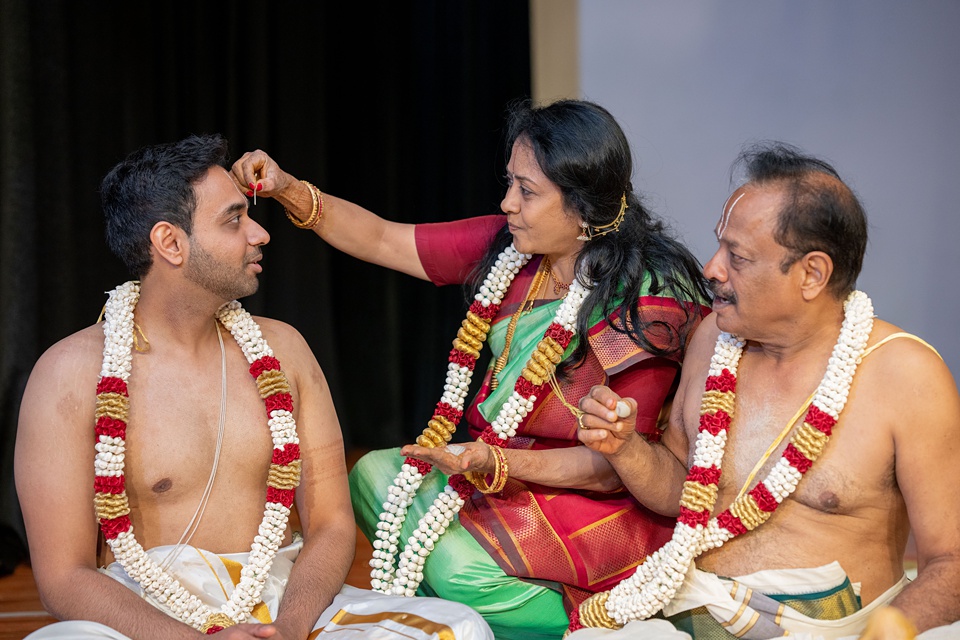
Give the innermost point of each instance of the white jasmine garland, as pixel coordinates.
(157, 583)
(656, 581)
(409, 571)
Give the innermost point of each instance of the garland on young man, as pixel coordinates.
(657, 580)
(408, 574)
(112, 507)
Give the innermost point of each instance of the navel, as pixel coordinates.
(163, 485)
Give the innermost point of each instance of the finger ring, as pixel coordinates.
(580, 420)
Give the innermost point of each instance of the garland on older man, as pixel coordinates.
(657, 580)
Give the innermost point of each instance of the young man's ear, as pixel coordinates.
(169, 243)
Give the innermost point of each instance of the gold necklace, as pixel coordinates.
(524, 308)
(559, 288)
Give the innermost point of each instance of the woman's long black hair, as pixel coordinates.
(582, 149)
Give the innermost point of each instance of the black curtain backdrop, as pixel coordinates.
(395, 105)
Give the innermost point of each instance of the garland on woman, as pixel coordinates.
(408, 574)
(657, 580)
(111, 503)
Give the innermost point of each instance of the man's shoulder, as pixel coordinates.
(75, 352)
(287, 343)
(904, 370)
(696, 363)
(277, 330)
(901, 353)
(703, 342)
(65, 373)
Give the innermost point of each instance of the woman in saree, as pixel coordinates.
(577, 284)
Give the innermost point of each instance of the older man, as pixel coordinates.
(814, 434)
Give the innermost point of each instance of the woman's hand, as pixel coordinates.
(608, 421)
(476, 456)
(256, 170)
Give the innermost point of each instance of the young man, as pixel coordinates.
(184, 427)
(832, 449)
(175, 428)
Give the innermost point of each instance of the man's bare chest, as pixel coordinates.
(853, 472)
(173, 437)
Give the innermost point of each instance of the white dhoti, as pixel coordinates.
(734, 604)
(354, 613)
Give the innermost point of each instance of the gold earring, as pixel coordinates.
(585, 234)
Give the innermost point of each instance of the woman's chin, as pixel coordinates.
(523, 246)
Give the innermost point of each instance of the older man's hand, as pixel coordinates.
(608, 422)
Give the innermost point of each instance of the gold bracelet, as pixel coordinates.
(501, 469)
(315, 214)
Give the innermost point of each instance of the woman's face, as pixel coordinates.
(534, 207)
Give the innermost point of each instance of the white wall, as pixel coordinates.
(873, 86)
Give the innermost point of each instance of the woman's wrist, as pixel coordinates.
(500, 472)
(303, 204)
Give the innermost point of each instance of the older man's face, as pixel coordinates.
(753, 297)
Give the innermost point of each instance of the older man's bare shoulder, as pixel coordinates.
(693, 375)
(904, 381)
(702, 344)
(901, 362)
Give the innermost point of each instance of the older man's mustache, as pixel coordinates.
(725, 294)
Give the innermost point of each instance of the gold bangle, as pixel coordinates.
(315, 214)
(501, 469)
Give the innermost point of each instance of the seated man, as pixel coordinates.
(152, 423)
(815, 454)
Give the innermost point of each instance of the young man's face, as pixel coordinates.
(225, 242)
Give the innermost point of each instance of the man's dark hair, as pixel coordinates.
(151, 185)
(819, 213)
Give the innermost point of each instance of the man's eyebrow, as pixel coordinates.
(233, 209)
(731, 245)
(725, 239)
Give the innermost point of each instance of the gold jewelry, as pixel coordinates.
(315, 214)
(527, 305)
(217, 620)
(580, 420)
(500, 483)
(603, 230)
(576, 411)
(136, 341)
(500, 472)
(584, 232)
(136, 330)
(558, 286)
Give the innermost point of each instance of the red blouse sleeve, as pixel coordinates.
(449, 250)
(651, 383)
